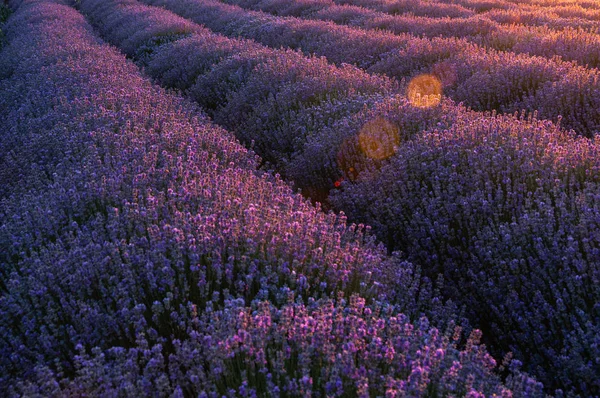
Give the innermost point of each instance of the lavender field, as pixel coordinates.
(300, 198)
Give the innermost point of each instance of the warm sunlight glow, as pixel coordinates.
(379, 139)
(424, 91)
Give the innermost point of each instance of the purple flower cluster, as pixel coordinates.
(142, 253)
(331, 348)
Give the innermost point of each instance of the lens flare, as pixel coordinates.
(379, 139)
(424, 91)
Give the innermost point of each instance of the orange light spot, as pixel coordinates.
(424, 91)
(379, 139)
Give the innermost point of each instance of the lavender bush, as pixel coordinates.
(506, 211)
(575, 97)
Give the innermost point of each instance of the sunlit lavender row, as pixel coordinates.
(570, 39)
(480, 78)
(547, 10)
(142, 253)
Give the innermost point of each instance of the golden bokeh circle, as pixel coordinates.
(424, 91)
(379, 139)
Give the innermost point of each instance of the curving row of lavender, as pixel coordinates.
(535, 181)
(544, 16)
(480, 78)
(568, 39)
(142, 253)
(583, 9)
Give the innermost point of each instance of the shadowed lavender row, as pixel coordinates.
(274, 100)
(143, 254)
(508, 212)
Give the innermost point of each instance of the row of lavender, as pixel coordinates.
(499, 239)
(583, 9)
(142, 254)
(508, 213)
(540, 11)
(567, 39)
(557, 17)
(568, 9)
(572, 13)
(480, 78)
